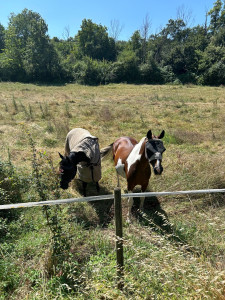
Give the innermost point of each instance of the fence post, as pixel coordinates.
(119, 237)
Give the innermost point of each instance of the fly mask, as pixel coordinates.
(154, 149)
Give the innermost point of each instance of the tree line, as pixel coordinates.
(177, 54)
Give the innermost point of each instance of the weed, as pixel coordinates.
(45, 114)
(15, 104)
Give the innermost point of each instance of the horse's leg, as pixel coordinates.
(142, 199)
(84, 188)
(97, 187)
(130, 204)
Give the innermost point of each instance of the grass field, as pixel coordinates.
(176, 250)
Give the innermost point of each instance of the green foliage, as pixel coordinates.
(217, 16)
(126, 68)
(11, 188)
(29, 56)
(150, 73)
(212, 65)
(94, 42)
(175, 250)
(87, 71)
(2, 38)
(92, 57)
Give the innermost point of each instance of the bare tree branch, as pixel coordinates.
(115, 29)
(185, 14)
(66, 33)
(146, 27)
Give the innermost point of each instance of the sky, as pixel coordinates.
(64, 17)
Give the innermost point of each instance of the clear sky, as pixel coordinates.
(63, 16)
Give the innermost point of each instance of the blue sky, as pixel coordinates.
(130, 14)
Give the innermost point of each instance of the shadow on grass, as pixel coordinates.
(103, 208)
(155, 217)
(216, 200)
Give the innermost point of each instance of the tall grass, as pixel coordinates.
(175, 250)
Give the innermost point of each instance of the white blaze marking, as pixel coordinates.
(135, 154)
(158, 164)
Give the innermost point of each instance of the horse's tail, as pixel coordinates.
(106, 151)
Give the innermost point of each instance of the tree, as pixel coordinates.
(135, 44)
(2, 38)
(145, 36)
(115, 29)
(185, 14)
(28, 51)
(125, 69)
(217, 16)
(212, 65)
(175, 30)
(93, 41)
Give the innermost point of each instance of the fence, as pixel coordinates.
(117, 196)
(108, 197)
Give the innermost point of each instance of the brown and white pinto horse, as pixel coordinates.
(132, 161)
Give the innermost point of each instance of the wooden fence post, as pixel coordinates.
(119, 237)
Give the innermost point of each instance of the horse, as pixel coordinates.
(132, 161)
(82, 157)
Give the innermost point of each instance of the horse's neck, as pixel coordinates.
(77, 157)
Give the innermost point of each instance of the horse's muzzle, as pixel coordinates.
(64, 185)
(158, 170)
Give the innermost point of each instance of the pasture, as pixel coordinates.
(175, 250)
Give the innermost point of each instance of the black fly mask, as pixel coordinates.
(154, 149)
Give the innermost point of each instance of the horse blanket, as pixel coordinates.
(80, 139)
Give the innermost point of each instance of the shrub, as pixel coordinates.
(11, 186)
(87, 72)
(215, 75)
(125, 69)
(150, 73)
(167, 74)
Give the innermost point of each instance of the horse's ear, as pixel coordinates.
(61, 156)
(149, 135)
(161, 135)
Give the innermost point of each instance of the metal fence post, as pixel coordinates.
(119, 237)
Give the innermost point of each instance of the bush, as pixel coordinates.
(188, 77)
(87, 72)
(167, 74)
(11, 185)
(150, 73)
(215, 75)
(125, 69)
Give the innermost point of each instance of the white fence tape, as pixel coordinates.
(152, 194)
(108, 197)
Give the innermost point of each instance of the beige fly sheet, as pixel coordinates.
(80, 139)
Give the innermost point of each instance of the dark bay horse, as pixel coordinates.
(132, 161)
(82, 157)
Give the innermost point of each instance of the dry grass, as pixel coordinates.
(193, 118)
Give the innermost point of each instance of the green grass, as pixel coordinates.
(174, 251)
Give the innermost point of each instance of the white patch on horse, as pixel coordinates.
(158, 163)
(135, 155)
(120, 168)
